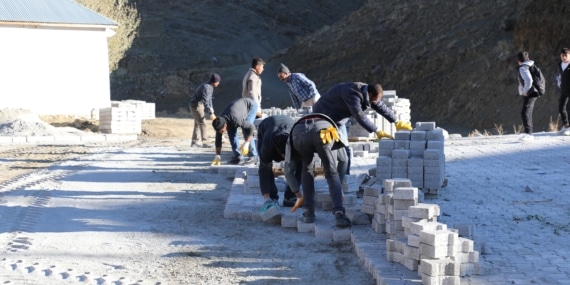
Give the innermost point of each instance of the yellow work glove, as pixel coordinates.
(403, 126)
(212, 117)
(244, 148)
(329, 134)
(298, 204)
(217, 160)
(383, 134)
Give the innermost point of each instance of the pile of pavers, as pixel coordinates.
(395, 234)
(125, 117)
(415, 238)
(418, 155)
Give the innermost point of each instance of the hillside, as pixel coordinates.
(453, 59)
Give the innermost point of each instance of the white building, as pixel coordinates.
(54, 57)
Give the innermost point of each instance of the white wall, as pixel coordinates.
(54, 71)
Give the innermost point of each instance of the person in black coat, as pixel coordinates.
(235, 116)
(272, 135)
(316, 133)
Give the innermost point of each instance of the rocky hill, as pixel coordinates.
(453, 59)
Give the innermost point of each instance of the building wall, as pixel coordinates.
(54, 71)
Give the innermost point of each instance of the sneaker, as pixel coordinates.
(196, 144)
(235, 160)
(207, 145)
(565, 131)
(268, 204)
(289, 202)
(250, 161)
(527, 138)
(341, 220)
(309, 216)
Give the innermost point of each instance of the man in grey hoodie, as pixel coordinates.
(528, 92)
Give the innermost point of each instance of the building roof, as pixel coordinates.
(59, 12)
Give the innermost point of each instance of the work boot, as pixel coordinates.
(341, 220)
(289, 202)
(309, 216)
(235, 160)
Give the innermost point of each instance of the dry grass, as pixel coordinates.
(554, 126)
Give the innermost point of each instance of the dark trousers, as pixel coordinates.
(307, 142)
(563, 107)
(267, 181)
(526, 112)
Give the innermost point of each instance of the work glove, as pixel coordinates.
(329, 134)
(217, 160)
(403, 126)
(244, 148)
(298, 204)
(212, 117)
(383, 134)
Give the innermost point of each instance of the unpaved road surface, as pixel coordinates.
(144, 212)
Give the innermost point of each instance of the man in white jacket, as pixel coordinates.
(528, 92)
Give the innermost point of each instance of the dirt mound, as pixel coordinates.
(21, 122)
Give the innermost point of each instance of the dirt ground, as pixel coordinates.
(19, 159)
(144, 212)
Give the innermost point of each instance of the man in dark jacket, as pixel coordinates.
(200, 105)
(351, 99)
(316, 133)
(234, 116)
(563, 79)
(272, 135)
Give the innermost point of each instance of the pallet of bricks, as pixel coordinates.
(125, 117)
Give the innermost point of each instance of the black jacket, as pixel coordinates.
(235, 114)
(272, 135)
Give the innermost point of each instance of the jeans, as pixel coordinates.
(251, 118)
(234, 139)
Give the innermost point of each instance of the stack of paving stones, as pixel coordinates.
(404, 243)
(417, 155)
(122, 118)
(414, 238)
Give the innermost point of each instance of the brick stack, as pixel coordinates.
(124, 119)
(417, 155)
(420, 243)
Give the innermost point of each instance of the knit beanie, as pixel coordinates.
(283, 69)
(218, 123)
(215, 78)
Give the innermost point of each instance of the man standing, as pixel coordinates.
(564, 84)
(316, 133)
(302, 90)
(528, 92)
(235, 116)
(272, 135)
(251, 84)
(200, 104)
(351, 99)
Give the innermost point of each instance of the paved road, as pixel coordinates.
(516, 196)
